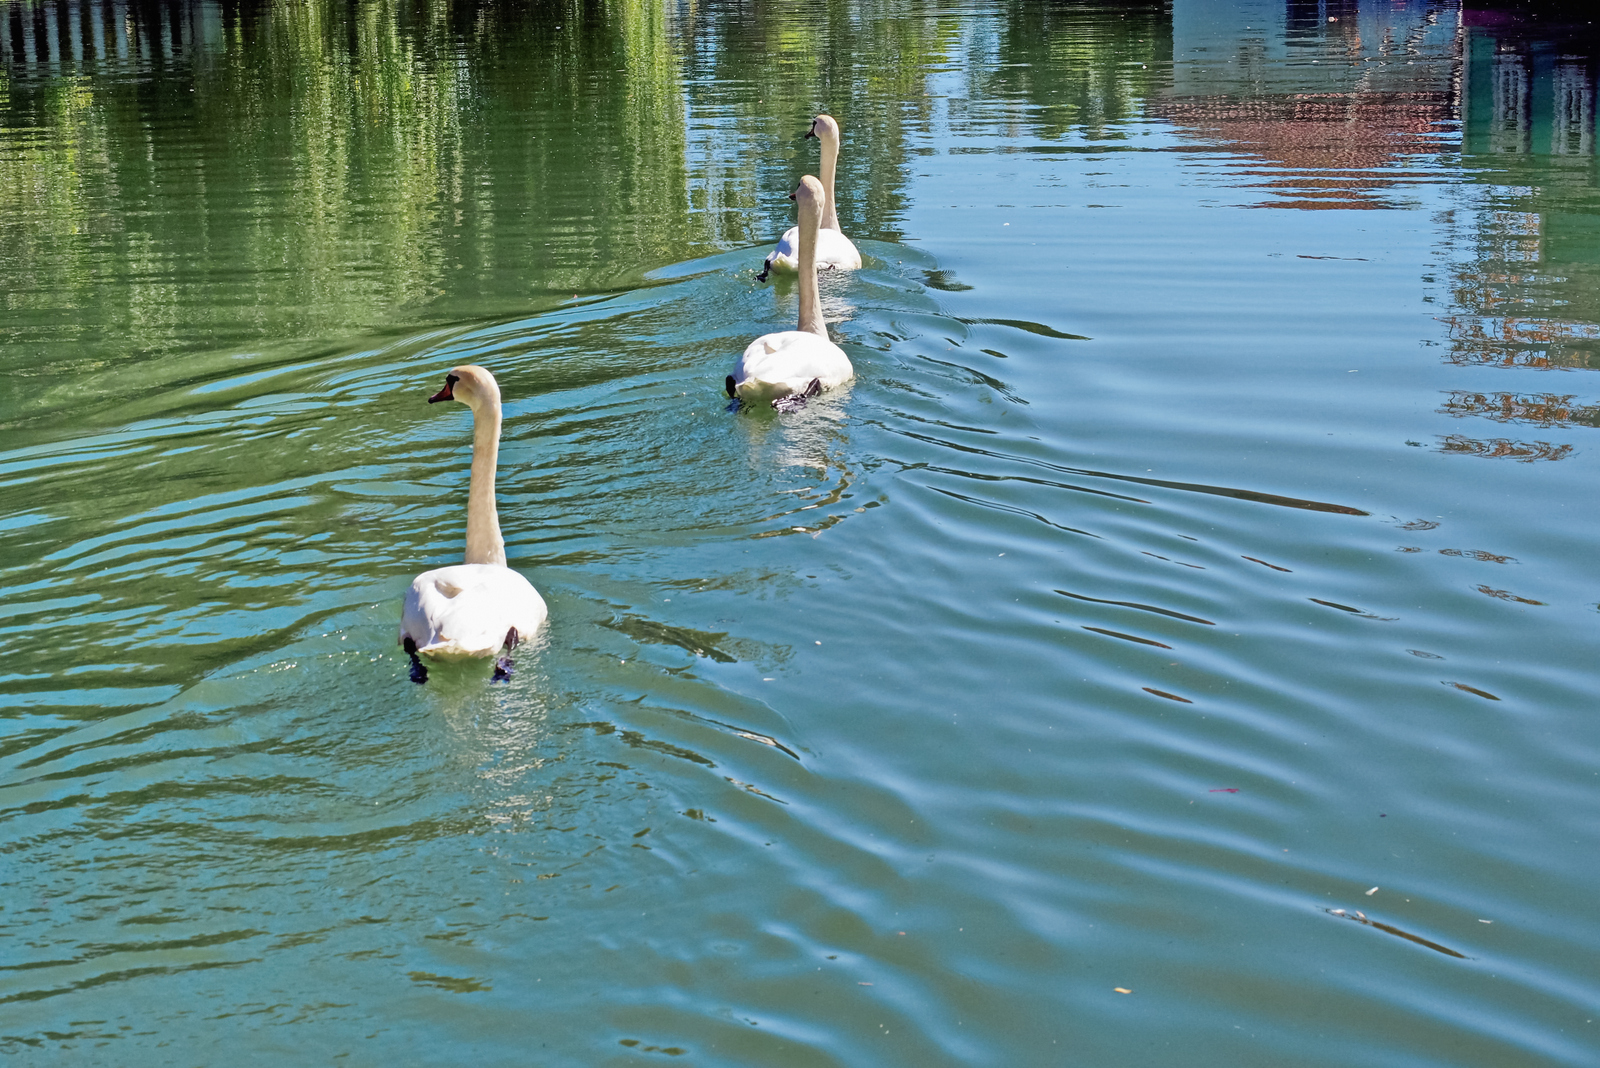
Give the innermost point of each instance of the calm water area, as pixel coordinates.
(1176, 648)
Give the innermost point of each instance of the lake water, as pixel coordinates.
(1176, 648)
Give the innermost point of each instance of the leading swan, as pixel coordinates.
(833, 248)
(481, 606)
(786, 367)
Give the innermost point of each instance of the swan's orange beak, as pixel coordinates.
(448, 392)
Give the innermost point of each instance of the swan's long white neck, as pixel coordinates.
(830, 162)
(810, 297)
(484, 544)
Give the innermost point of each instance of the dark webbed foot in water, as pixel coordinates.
(502, 665)
(766, 269)
(795, 401)
(735, 404)
(419, 674)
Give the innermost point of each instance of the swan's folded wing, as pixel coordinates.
(836, 250)
(466, 610)
(775, 365)
(787, 255)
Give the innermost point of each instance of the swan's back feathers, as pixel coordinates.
(778, 364)
(833, 250)
(465, 610)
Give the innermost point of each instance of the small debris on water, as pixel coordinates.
(1374, 890)
(1122, 990)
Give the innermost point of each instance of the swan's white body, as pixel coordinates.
(834, 250)
(466, 610)
(789, 362)
(469, 609)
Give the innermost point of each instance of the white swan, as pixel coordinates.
(788, 366)
(833, 248)
(481, 606)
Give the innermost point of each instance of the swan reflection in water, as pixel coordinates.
(805, 456)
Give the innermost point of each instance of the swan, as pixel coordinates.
(481, 606)
(788, 366)
(833, 248)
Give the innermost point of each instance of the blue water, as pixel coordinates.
(1174, 648)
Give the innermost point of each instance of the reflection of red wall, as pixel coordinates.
(1321, 132)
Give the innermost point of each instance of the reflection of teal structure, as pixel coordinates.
(1255, 49)
(1528, 127)
(1527, 96)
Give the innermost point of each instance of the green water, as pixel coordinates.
(1205, 541)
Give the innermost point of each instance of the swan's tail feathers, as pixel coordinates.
(503, 665)
(419, 674)
(795, 401)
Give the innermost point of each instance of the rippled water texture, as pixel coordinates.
(1176, 648)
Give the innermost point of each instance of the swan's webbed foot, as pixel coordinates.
(502, 664)
(795, 401)
(766, 269)
(419, 674)
(727, 384)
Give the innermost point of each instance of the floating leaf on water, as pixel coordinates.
(1128, 637)
(1506, 595)
(1472, 689)
(1361, 918)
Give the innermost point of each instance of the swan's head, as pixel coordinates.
(810, 195)
(823, 128)
(469, 384)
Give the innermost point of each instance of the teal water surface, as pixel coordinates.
(1174, 648)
